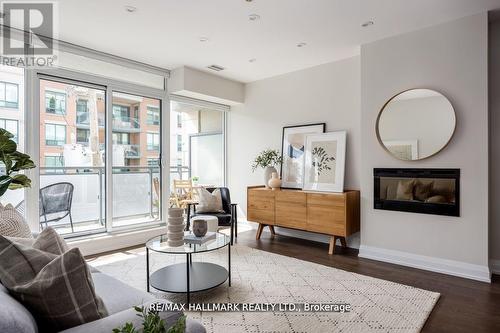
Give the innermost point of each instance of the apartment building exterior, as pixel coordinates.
(75, 116)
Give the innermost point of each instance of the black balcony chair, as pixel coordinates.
(54, 203)
(227, 219)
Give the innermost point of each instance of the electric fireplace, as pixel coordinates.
(426, 191)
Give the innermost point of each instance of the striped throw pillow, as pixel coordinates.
(12, 223)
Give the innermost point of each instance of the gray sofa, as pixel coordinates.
(118, 297)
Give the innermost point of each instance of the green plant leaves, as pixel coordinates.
(268, 157)
(14, 162)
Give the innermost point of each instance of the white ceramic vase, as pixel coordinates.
(268, 172)
(274, 182)
(175, 227)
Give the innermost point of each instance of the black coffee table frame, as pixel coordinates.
(199, 276)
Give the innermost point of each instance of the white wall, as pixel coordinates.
(450, 58)
(494, 88)
(328, 93)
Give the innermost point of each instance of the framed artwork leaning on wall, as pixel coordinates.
(324, 164)
(292, 152)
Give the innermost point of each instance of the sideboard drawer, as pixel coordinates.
(326, 220)
(291, 210)
(265, 216)
(331, 199)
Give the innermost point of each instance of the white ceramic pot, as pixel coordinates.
(175, 243)
(175, 220)
(176, 227)
(268, 172)
(173, 236)
(175, 212)
(275, 181)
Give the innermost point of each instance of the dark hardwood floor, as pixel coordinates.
(464, 306)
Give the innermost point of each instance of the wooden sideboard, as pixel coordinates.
(334, 214)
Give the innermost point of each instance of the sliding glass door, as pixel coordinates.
(79, 126)
(72, 151)
(136, 160)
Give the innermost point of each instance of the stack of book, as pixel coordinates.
(192, 239)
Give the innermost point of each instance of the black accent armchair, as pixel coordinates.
(227, 219)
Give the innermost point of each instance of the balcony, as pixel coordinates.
(126, 124)
(132, 151)
(83, 119)
(135, 198)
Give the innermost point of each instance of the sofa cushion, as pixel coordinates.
(116, 295)
(57, 289)
(14, 317)
(12, 223)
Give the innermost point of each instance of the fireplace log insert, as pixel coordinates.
(425, 191)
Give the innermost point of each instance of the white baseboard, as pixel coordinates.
(495, 266)
(445, 266)
(101, 243)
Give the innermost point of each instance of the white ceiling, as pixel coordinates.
(166, 33)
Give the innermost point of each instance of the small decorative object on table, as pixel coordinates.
(200, 227)
(274, 182)
(193, 239)
(175, 227)
(267, 160)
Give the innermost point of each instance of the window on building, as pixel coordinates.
(153, 116)
(121, 112)
(55, 102)
(121, 138)
(54, 161)
(55, 135)
(179, 120)
(9, 95)
(153, 141)
(179, 143)
(12, 126)
(179, 162)
(82, 136)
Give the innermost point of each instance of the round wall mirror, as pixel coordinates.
(416, 124)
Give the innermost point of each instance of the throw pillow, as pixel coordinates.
(12, 223)
(209, 202)
(58, 289)
(423, 190)
(405, 190)
(436, 199)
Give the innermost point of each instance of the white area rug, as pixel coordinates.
(261, 277)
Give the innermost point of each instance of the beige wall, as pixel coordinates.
(328, 93)
(450, 58)
(494, 88)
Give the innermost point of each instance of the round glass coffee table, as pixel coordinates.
(190, 276)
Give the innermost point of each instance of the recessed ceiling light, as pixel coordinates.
(203, 39)
(254, 17)
(252, 60)
(302, 44)
(367, 24)
(130, 9)
(248, 0)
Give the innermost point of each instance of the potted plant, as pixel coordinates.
(152, 323)
(13, 163)
(268, 160)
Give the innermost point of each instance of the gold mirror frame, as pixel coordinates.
(418, 159)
